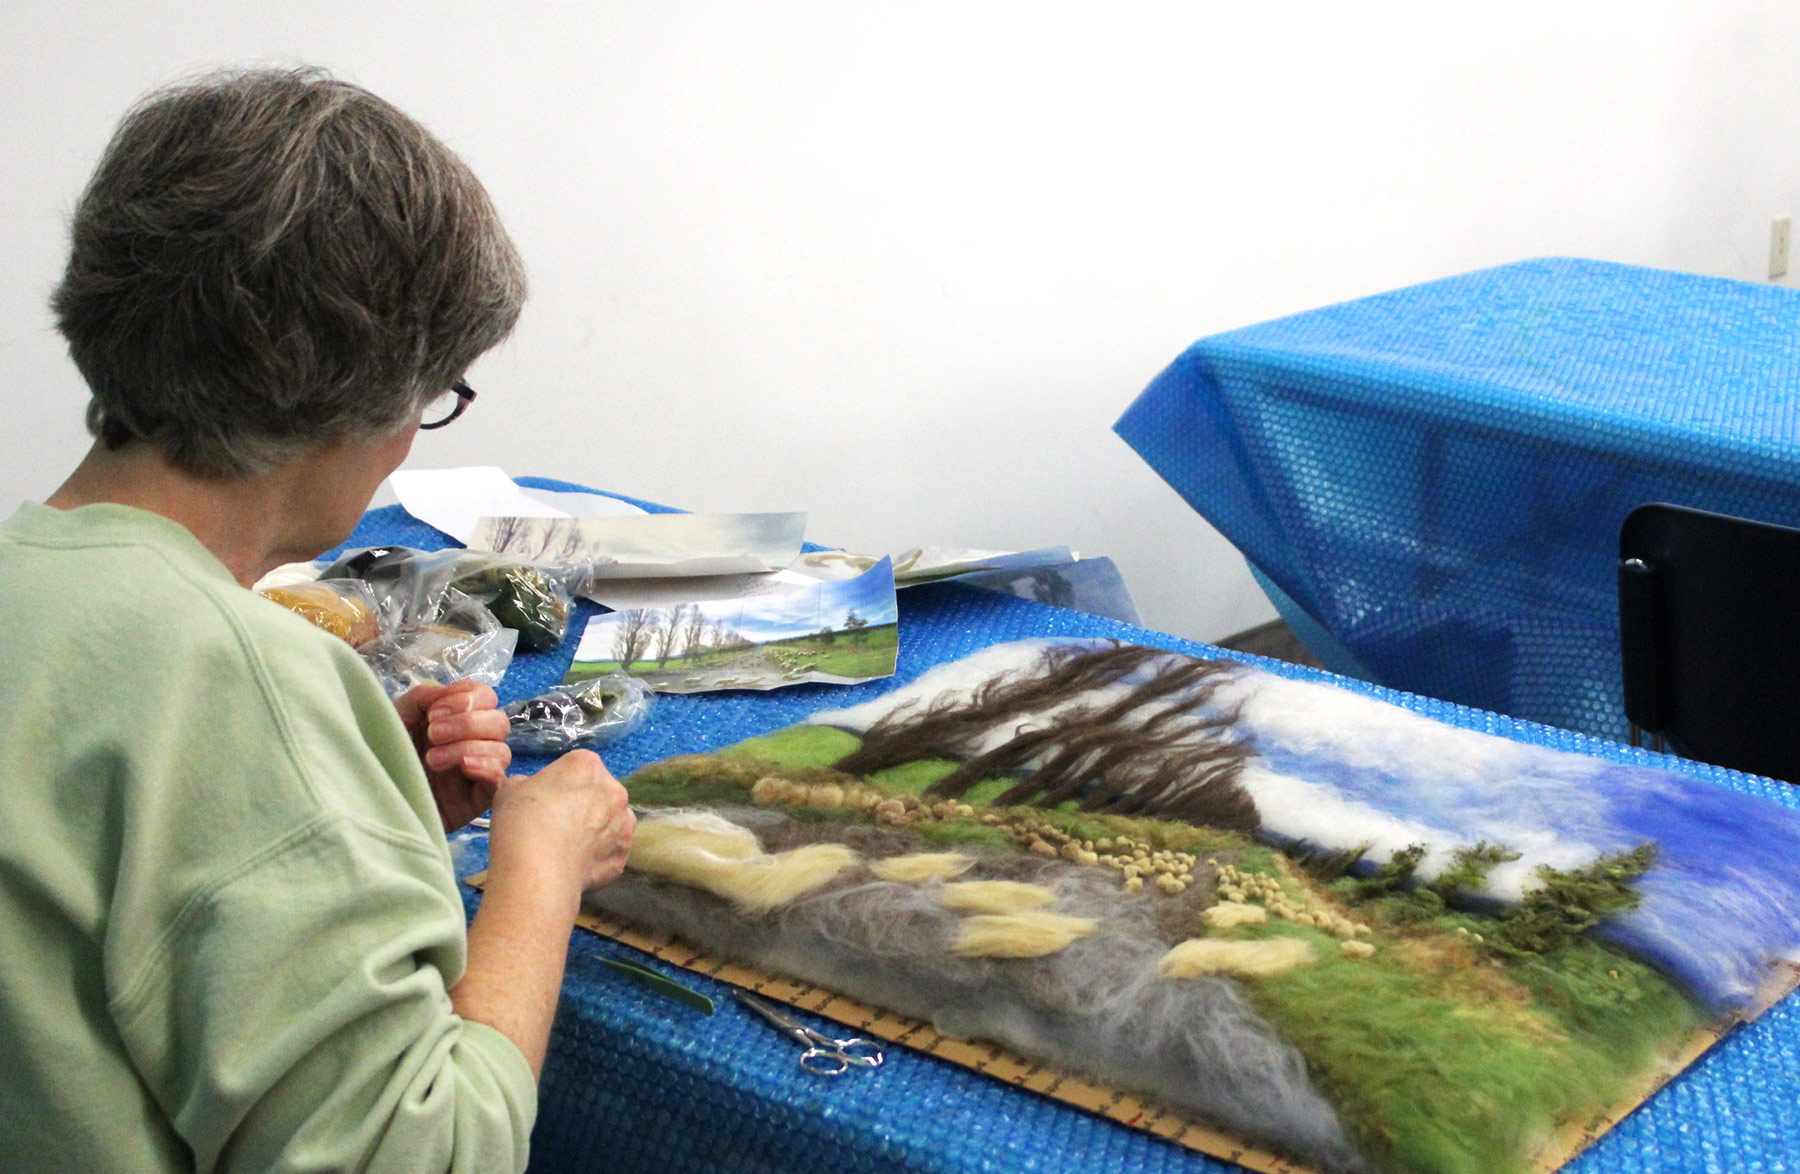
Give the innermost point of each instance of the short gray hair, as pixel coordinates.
(269, 262)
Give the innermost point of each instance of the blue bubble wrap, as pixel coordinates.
(637, 1082)
(1433, 480)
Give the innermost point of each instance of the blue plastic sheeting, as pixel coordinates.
(637, 1082)
(1436, 477)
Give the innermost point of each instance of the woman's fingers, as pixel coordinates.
(427, 707)
(413, 704)
(572, 816)
(480, 761)
(475, 726)
(463, 697)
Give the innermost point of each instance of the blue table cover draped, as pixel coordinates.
(1433, 480)
(637, 1082)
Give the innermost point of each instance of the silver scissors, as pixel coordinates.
(824, 1056)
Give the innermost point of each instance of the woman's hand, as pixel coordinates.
(571, 821)
(460, 734)
(555, 834)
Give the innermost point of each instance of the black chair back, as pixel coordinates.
(1709, 624)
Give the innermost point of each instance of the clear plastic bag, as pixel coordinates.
(464, 642)
(409, 597)
(344, 607)
(533, 599)
(582, 715)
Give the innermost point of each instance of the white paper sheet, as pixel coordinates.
(582, 505)
(653, 545)
(454, 499)
(625, 594)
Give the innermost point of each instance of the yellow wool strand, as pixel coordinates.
(1227, 914)
(705, 852)
(921, 867)
(1019, 935)
(1264, 959)
(690, 831)
(995, 896)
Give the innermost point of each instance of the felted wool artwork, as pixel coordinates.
(1321, 923)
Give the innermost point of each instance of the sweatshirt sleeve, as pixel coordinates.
(287, 925)
(297, 1019)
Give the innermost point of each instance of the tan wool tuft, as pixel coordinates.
(706, 852)
(1019, 935)
(1227, 914)
(995, 896)
(690, 831)
(921, 867)
(769, 882)
(1265, 959)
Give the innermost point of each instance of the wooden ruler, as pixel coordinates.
(1128, 1110)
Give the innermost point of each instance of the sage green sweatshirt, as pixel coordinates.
(227, 913)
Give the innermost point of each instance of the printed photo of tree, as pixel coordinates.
(837, 633)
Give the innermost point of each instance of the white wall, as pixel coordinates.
(903, 264)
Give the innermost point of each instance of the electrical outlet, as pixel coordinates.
(1778, 246)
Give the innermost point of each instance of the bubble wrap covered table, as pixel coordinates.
(1431, 481)
(637, 1082)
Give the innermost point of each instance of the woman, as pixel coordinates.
(229, 933)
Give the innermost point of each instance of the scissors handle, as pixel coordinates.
(824, 1056)
(863, 1053)
(821, 1062)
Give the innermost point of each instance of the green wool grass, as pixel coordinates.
(797, 746)
(1467, 1067)
(1464, 1056)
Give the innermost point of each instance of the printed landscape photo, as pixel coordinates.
(838, 632)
